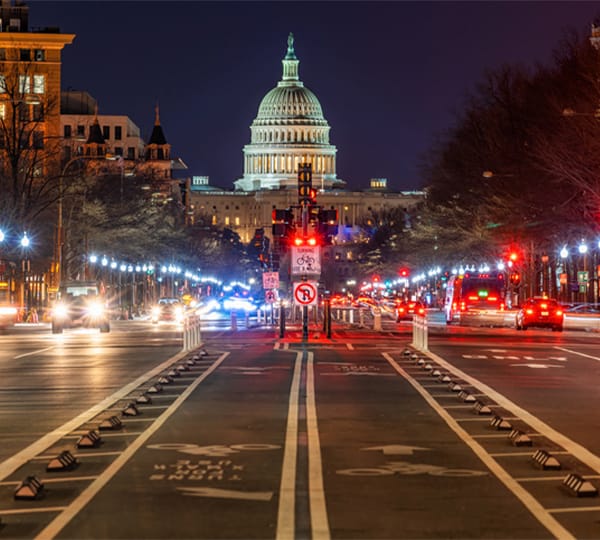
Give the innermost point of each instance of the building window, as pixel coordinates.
(25, 55)
(80, 131)
(24, 112)
(130, 152)
(39, 55)
(214, 220)
(2, 84)
(24, 84)
(67, 132)
(38, 139)
(237, 220)
(2, 55)
(118, 150)
(39, 84)
(38, 112)
(106, 132)
(226, 221)
(118, 133)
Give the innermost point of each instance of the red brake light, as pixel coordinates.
(559, 312)
(492, 298)
(529, 311)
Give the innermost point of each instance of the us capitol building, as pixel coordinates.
(290, 129)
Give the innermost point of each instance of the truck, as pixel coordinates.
(80, 304)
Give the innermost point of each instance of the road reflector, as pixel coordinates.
(500, 423)
(165, 379)
(577, 485)
(130, 410)
(65, 461)
(190, 362)
(182, 367)
(455, 387)
(518, 438)
(155, 389)
(420, 361)
(143, 399)
(112, 423)
(173, 373)
(445, 379)
(545, 461)
(435, 373)
(203, 353)
(466, 397)
(481, 408)
(91, 439)
(406, 352)
(30, 488)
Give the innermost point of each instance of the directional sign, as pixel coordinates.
(305, 293)
(306, 260)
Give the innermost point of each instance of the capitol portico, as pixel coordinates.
(289, 129)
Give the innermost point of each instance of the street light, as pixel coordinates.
(25, 266)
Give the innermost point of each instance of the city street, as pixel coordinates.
(357, 436)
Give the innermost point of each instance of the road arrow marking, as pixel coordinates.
(227, 493)
(396, 449)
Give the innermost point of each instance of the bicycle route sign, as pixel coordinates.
(306, 260)
(305, 293)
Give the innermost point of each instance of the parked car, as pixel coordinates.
(540, 312)
(168, 310)
(406, 310)
(80, 303)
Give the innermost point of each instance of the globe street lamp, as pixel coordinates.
(25, 266)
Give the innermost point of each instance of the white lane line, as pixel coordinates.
(553, 478)
(578, 451)
(536, 509)
(568, 510)
(10, 465)
(579, 353)
(82, 454)
(32, 510)
(318, 509)
(287, 490)
(32, 353)
(55, 526)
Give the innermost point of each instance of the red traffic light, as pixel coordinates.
(300, 241)
(404, 272)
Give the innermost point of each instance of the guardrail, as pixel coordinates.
(192, 337)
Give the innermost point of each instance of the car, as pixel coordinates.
(540, 312)
(79, 304)
(406, 310)
(168, 310)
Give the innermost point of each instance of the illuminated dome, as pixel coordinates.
(289, 129)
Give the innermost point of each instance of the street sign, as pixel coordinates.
(270, 297)
(582, 277)
(270, 280)
(305, 293)
(306, 260)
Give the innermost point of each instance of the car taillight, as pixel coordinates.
(544, 306)
(473, 298)
(492, 298)
(421, 311)
(559, 312)
(529, 311)
(463, 306)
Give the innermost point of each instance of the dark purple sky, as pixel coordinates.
(389, 75)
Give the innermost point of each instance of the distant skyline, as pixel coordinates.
(390, 76)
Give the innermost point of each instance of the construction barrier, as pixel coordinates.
(420, 338)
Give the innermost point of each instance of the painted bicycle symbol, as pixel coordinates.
(305, 260)
(407, 468)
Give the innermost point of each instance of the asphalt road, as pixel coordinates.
(348, 437)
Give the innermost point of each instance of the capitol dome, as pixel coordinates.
(289, 129)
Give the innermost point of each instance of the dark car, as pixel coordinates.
(80, 304)
(168, 310)
(540, 312)
(406, 310)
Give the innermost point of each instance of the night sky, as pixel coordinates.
(390, 76)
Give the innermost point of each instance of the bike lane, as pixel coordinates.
(393, 468)
(213, 470)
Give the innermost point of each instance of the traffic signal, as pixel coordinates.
(515, 278)
(308, 241)
(283, 223)
(305, 189)
(404, 272)
(328, 224)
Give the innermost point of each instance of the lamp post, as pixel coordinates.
(25, 267)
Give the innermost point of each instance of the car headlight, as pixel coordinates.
(8, 311)
(60, 310)
(95, 309)
(155, 312)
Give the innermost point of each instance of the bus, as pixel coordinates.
(474, 291)
(8, 311)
